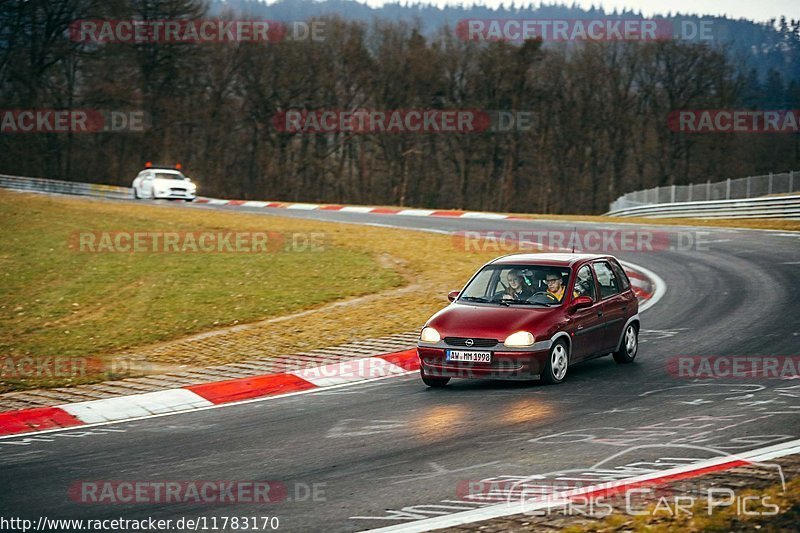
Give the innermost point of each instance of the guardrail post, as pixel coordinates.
(769, 190)
(672, 194)
(728, 189)
(656, 193)
(748, 186)
(708, 190)
(691, 188)
(791, 181)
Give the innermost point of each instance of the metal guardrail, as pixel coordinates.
(787, 207)
(730, 189)
(64, 187)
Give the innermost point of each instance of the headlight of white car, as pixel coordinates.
(520, 339)
(429, 335)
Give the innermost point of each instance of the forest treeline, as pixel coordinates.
(601, 110)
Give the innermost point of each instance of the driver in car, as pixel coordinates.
(517, 289)
(555, 287)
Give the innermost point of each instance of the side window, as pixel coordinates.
(624, 283)
(609, 284)
(584, 283)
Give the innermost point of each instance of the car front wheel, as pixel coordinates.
(629, 346)
(557, 363)
(435, 382)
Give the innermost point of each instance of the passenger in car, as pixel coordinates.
(517, 288)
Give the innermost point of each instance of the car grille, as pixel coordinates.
(477, 343)
(181, 191)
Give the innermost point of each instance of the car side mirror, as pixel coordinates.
(452, 295)
(581, 302)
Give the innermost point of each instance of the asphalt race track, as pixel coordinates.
(391, 451)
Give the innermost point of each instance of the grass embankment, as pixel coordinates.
(57, 302)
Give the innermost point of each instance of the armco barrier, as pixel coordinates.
(64, 187)
(787, 207)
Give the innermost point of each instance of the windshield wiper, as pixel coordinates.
(526, 302)
(475, 299)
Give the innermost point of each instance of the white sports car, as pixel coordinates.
(163, 182)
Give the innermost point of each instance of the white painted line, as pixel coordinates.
(349, 371)
(304, 207)
(134, 406)
(216, 201)
(416, 212)
(356, 209)
(520, 507)
(474, 214)
(253, 203)
(659, 285)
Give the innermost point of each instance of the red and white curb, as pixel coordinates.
(205, 395)
(361, 209)
(753, 457)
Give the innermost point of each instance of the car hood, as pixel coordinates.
(493, 322)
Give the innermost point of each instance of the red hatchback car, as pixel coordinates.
(531, 316)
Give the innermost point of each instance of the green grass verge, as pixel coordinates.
(57, 301)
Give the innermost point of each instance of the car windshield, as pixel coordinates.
(517, 285)
(170, 176)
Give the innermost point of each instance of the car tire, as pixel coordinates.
(136, 194)
(433, 382)
(557, 363)
(629, 346)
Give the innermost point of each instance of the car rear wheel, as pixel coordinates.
(435, 382)
(557, 363)
(629, 346)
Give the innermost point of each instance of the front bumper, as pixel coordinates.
(175, 195)
(523, 365)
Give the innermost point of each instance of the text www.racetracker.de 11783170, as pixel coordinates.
(200, 523)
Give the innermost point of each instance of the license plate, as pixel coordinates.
(469, 357)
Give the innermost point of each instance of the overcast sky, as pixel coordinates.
(758, 10)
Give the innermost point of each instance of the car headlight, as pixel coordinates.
(429, 335)
(520, 339)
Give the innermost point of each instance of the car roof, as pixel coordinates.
(547, 259)
(164, 170)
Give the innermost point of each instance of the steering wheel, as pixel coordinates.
(542, 297)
